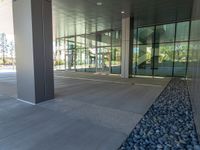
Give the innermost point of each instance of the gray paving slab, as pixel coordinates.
(88, 113)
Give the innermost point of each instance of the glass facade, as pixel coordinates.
(7, 52)
(161, 50)
(158, 50)
(163, 59)
(194, 48)
(96, 52)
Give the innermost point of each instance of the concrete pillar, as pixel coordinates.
(127, 47)
(34, 50)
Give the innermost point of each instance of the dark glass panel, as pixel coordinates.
(91, 40)
(180, 60)
(116, 38)
(103, 59)
(144, 60)
(195, 30)
(182, 33)
(135, 36)
(194, 54)
(80, 59)
(163, 59)
(90, 60)
(103, 39)
(145, 35)
(70, 43)
(80, 42)
(116, 60)
(165, 33)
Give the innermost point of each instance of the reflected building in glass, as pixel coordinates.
(96, 52)
(162, 50)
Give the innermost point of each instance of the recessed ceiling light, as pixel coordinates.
(122, 12)
(99, 3)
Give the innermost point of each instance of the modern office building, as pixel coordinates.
(116, 42)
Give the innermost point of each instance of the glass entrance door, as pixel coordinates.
(103, 62)
(70, 54)
(144, 61)
(70, 58)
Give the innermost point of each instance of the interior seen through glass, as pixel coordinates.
(159, 50)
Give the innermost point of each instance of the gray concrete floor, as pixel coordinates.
(90, 112)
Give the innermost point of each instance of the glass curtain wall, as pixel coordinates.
(103, 52)
(116, 52)
(181, 49)
(7, 52)
(90, 53)
(80, 53)
(96, 52)
(144, 51)
(194, 45)
(59, 54)
(161, 50)
(70, 53)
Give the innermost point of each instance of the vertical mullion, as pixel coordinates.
(153, 47)
(131, 28)
(75, 50)
(111, 53)
(65, 53)
(85, 49)
(55, 56)
(59, 52)
(96, 51)
(174, 49)
(136, 50)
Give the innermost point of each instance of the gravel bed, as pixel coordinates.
(168, 124)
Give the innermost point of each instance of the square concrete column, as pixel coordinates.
(34, 50)
(127, 47)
